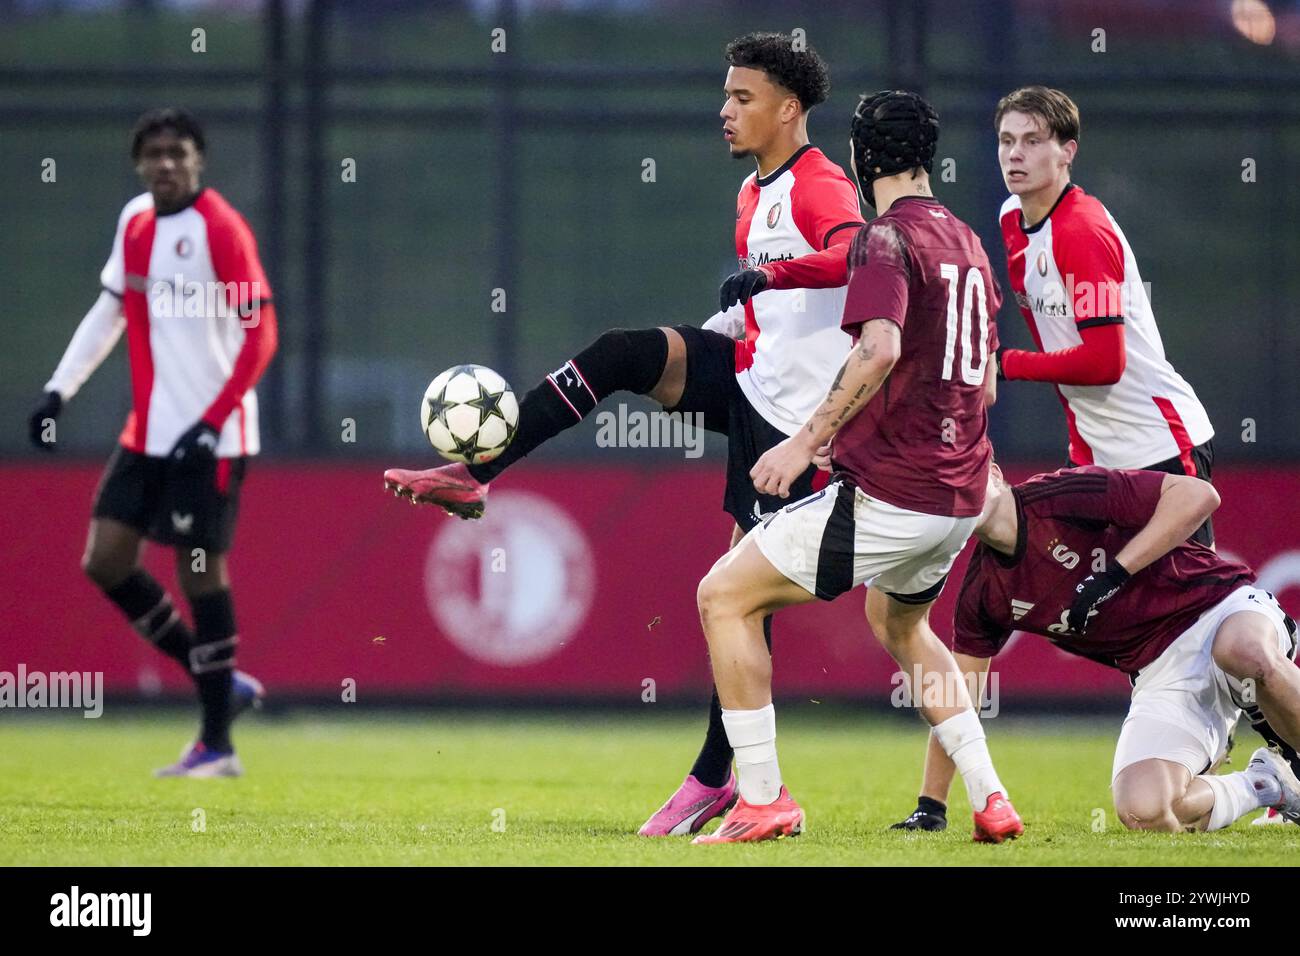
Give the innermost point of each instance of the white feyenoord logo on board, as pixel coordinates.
(511, 588)
(1020, 608)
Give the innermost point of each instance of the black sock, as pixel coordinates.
(150, 610)
(713, 764)
(212, 661)
(930, 805)
(619, 360)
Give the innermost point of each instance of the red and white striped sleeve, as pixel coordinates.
(1090, 256)
(824, 204)
(238, 267)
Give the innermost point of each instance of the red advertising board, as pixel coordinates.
(580, 581)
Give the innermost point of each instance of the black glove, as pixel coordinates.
(741, 287)
(49, 409)
(997, 360)
(196, 446)
(929, 815)
(1092, 592)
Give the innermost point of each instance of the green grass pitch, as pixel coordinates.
(551, 788)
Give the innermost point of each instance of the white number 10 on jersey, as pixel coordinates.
(971, 375)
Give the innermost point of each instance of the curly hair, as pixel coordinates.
(796, 67)
(179, 121)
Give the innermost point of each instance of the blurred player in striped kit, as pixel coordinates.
(185, 283)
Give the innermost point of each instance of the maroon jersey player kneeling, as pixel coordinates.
(1098, 561)
(906, 421)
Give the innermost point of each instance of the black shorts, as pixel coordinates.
(1203, 462)
(174, 505)
(713, 392)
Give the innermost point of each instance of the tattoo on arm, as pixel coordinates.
(852, 405)
(836, 409)
(865, 351)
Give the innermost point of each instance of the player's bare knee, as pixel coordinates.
(889, 641)
(877, 623)
(91, 567)
(878, 620)
(898, 636)
(720, 595)
(710, 596)
(106, 570)
(1164, 822)
(1248, 655)
(1147, 813)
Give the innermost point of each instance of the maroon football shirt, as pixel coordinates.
(920, 442)
(1069, 521)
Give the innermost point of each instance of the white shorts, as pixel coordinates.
(1184, 706)
(840, 537)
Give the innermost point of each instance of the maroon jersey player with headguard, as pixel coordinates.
(906, 418)
(1100, 563)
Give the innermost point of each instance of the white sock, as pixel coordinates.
(752, 734)
(1236, 794)
(962, 738)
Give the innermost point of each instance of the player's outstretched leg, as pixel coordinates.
(644, 361)
(734, 597)
(710, 789)
(904, 630)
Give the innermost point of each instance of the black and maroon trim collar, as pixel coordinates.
(1030, 230)
(772, 177)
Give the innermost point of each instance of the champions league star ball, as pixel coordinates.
(469, 414)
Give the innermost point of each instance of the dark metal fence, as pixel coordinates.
(517, 171)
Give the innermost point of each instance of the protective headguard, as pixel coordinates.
(892, 131)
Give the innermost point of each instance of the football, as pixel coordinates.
(469, 414)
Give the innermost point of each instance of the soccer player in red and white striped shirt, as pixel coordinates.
(756, 370)
(1078, 286)
(185, 283)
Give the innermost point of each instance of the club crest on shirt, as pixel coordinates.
(184, 247)
(773, 215)
(1041, 264)
(1062, 553)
